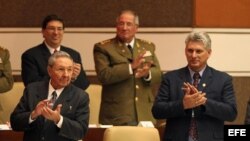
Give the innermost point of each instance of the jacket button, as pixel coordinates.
(136, 98)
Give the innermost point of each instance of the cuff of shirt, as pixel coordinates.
(59, 124)
(130, 69)
(149, 77)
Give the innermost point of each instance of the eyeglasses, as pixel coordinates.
(53, 29)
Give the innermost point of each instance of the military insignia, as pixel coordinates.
(145, 41)
(2, 48)
(148, 53)
(105, 41)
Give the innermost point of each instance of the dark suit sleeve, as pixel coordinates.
(221, 103)
(82, 80)
(247, 119)
(76, 128)
(19, 118)
(168, 102)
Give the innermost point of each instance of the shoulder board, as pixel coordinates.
(145, 41)
(2, 48)
(105, 41)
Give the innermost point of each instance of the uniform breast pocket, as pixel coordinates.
(68, 111)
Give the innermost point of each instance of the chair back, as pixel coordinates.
(94, 92)
(131, 133)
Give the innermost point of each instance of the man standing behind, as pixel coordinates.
(127, 67)
(196, 99)
(6, 78)
(53, 110)
(35, 60)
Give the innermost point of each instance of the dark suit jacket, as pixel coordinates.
(75, 112)
(247, 119)
(125, 99)
(220, 105)
(35, 62)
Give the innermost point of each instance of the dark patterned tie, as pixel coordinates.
(53, 99)
(55, 51)
(193, 133)
(130, 48)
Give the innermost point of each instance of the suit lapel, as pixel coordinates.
(66, 95)
(206, 79)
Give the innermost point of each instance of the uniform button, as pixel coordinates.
(136, 98)
(137, 86)
(43, 138)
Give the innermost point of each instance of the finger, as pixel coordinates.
(58, 108)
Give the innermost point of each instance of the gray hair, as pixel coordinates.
(136, 19)
(199, 37)
(56, 55)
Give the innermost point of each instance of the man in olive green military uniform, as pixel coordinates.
(127, 74)
(6, 79)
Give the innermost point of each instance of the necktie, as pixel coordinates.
(53, 99)
(55, 51)
(193, 133)
(196, 78)
(130, 48)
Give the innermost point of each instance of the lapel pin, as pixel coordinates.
(204, 85)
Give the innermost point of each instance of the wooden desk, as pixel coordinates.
(94, 134)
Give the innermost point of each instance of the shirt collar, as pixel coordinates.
(200, 72)
(131, 43)
(51, 90)
(51, 49)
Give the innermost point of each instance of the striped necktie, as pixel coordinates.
(193, 132)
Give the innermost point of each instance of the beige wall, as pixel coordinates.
(230, 46)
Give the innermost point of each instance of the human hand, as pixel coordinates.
(137, 62)
(192, 97)
(143, 71)
(53, 115)
(38, 110)
(188, 88)
(194, 100)
(76, 71)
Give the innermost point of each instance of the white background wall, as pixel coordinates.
(230, 47)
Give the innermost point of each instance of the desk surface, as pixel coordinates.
(94, 134)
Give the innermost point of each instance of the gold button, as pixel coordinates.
(136, 98)
(137, 86)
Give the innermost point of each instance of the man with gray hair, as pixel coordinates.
(128, 68)
(196, 99)
(55, 109)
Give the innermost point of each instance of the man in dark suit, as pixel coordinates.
(247, 118)
(35, 60)
(53, 110)
(127, 74)
(195, 112)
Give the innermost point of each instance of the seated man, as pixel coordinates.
(53, 110)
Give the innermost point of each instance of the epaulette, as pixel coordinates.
(2, 48)
(105, 41)
(145, 41)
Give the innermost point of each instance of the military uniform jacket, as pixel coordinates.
(124, 98)
(6, 79)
